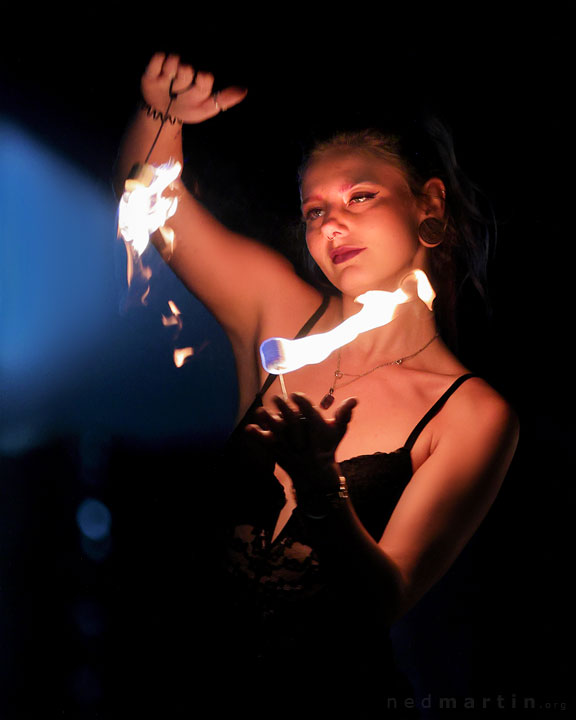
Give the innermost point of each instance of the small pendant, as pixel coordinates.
(327, 400)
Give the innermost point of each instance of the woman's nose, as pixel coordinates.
(333, 224)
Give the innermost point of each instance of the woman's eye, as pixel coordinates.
(362, 197)
(313, 214)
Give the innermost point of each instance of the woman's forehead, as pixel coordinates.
(346, 167)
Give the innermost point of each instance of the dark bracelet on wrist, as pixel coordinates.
(158, 115)
(319, 506)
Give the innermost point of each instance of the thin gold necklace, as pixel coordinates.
(328, 399)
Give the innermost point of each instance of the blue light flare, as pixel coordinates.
(54, 223)
(69, 360)
(94, 519)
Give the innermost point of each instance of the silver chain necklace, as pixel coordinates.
(328, 399)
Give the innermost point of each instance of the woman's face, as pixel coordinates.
(361, 221)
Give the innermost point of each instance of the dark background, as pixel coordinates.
(131, 620)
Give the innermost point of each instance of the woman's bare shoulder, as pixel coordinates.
(479, 417)
(478, 399)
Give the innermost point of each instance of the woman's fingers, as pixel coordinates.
(309, 411)
(300, 430)
(307, 425)
(155, 84)
(184, 79)
(343, 414)
(195, 100)
(170, 66)
(154, 67)
(290, 414)
(258, 433)
(203, 84)
(229, 97)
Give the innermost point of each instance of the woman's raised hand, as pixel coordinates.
(195, 101)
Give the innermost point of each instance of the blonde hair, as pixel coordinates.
(385, 147)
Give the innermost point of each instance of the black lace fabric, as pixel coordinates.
(288, 565)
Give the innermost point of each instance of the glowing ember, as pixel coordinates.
(181, 355)
(143, 209)
(378, 308)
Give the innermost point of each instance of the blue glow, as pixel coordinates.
(54, 223)
(94, 519)
(69, 361)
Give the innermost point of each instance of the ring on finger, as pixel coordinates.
(219, 107)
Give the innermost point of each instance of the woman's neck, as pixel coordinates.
(411, 328)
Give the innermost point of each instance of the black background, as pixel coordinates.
(498, 624)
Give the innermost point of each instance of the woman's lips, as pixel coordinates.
(342, 254)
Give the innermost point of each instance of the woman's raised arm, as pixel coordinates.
(231, 274)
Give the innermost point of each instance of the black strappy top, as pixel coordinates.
(286, 569)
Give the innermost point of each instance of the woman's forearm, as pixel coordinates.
(354, 561)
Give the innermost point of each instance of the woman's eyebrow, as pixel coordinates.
(342, 189)
(310, 198)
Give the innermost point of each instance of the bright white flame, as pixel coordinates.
(143, 209)
(181, 355)
(280, 355)
(424, 290)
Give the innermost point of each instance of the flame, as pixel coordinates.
(181, 355)
(280, 355)
(143, 209)
(424, 290)
(175, 318)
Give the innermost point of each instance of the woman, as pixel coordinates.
(369, 506)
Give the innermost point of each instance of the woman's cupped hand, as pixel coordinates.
(303, 440)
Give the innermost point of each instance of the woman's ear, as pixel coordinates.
(432, 202)
(433, 199)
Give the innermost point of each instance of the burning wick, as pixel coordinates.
(143, 209)
(280, 355)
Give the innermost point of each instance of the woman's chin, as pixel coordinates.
(355, 281)
(354, 286)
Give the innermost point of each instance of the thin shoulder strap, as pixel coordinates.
(435, 409)
(304, 330)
